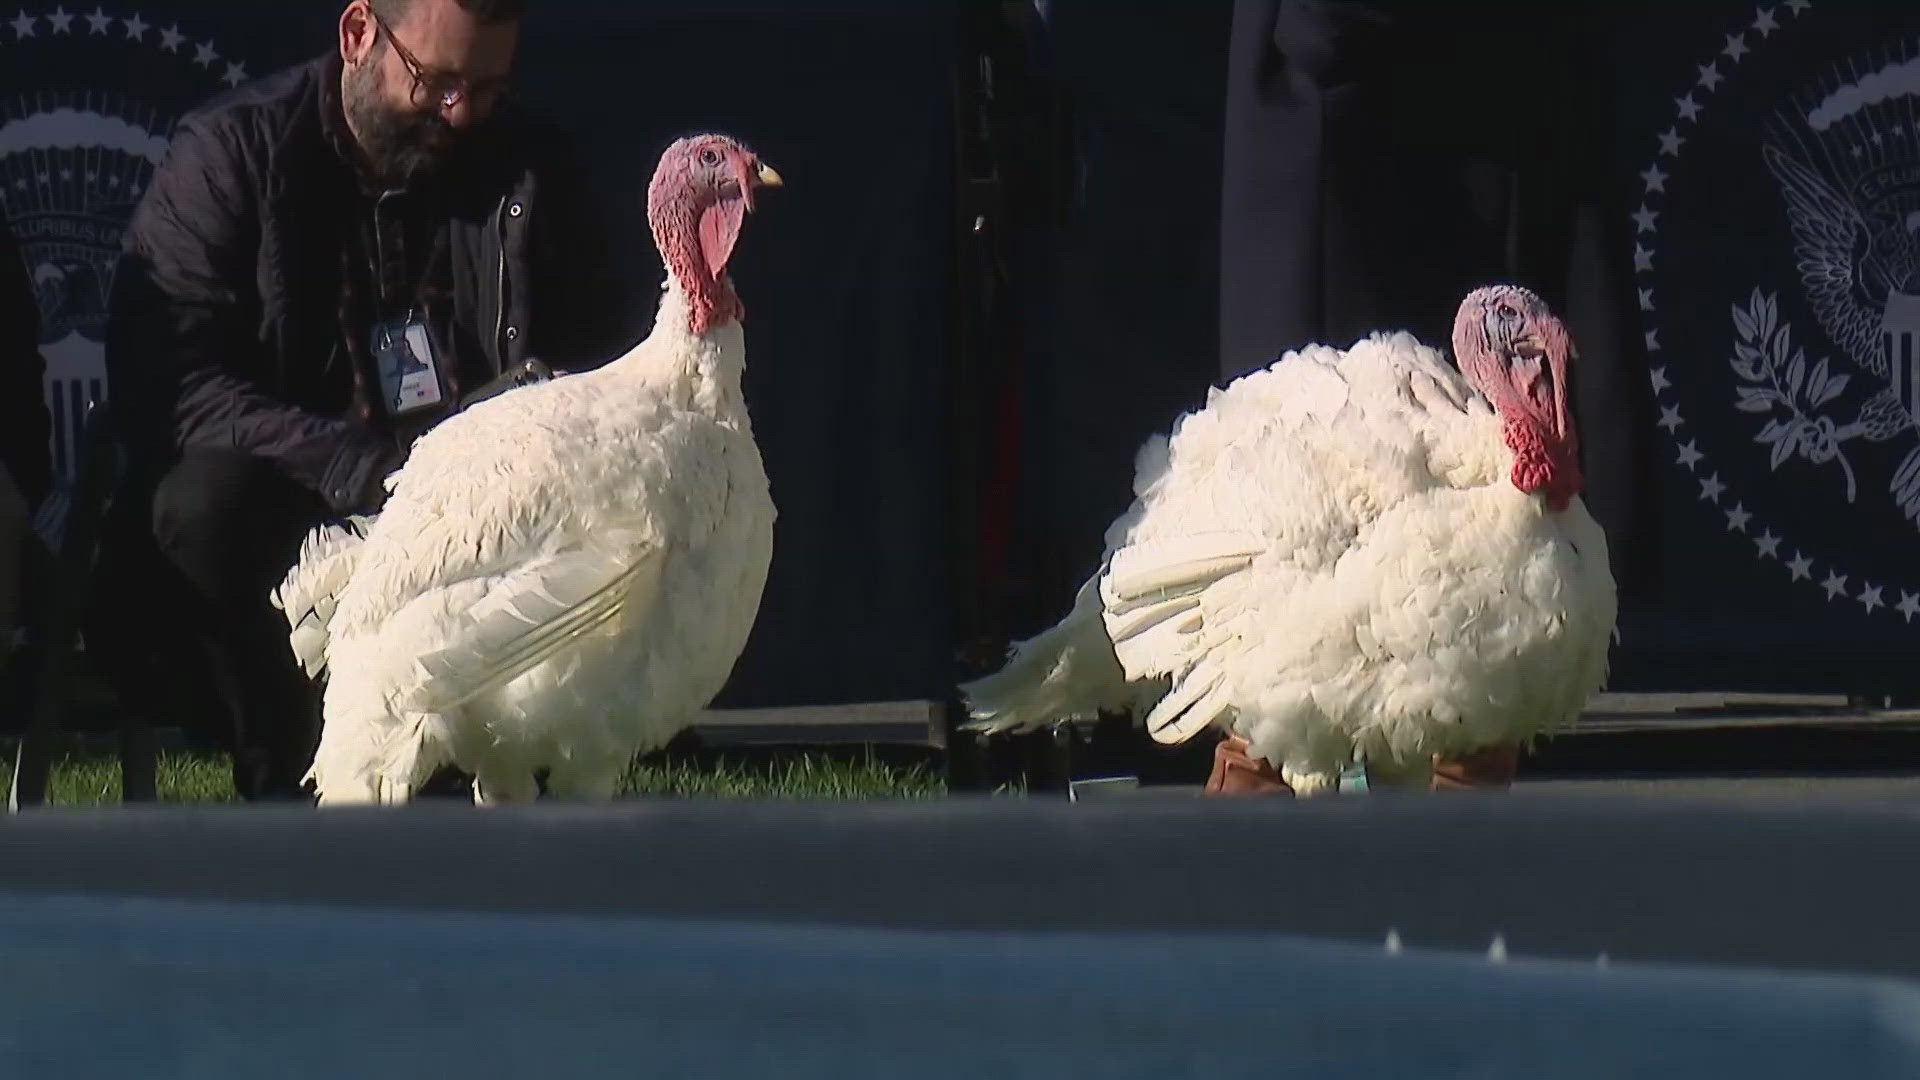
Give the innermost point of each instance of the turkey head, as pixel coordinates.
(1516, 352)
(701, 192)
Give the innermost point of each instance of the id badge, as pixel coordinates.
(409, 374)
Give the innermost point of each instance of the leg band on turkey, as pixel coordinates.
(1358, 559)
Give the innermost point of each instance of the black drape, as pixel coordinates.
(1219, 182)
(846, 275)
(1381, 158)
(1119, 296)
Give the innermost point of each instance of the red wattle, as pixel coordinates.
(1542, 465)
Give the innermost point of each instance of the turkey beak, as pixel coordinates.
(761, 175)
(751, 174)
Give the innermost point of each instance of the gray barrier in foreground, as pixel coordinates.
(1810, 884)
(163, 989)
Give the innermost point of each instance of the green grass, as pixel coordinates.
(802, 777)
(94, 780)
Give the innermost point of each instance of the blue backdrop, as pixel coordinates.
(846, 272)
(1740, 258)
(1722, 196)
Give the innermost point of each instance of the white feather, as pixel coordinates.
(563, 576)
(1330, 560)
(1067, 673)
(531, 615)
(310, 590)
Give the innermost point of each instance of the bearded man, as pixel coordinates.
(329, 260)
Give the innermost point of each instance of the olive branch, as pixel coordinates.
(1777, 377)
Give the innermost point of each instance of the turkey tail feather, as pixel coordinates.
(310, 590)
(1069, 671)
(1199, 698)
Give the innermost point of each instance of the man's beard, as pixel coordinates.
(401, 145)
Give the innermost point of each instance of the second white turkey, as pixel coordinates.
(1349, 556)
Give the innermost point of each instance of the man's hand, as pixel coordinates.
(374, 497)
(530, 371)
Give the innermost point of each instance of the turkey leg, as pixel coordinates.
(1493, 767)
(1237, 773)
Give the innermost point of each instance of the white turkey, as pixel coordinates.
(1354, 558)
(564, 574)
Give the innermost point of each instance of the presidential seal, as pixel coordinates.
(87, 101)
(1777, 251)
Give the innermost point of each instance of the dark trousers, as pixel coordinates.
(183, 622)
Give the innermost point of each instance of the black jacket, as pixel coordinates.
(25, 453)
(226, 328)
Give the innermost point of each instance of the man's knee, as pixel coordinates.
(230, 521)
(208, 492)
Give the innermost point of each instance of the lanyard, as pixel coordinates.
(385, 275)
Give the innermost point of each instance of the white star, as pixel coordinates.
(1658, 377)
(1801, 566)
(1644, 218)
(62, 22)
(92, 176)
(1656, 180)
(1736, 46)
(206, 55)
(1689, 108)
(1859, 152)
(1690, 454)
(99, 21)
(136, 28)
(1835, 585)
(1768, 544)
(1710, 75)
(1670, 418)
(1653, 341)
(1711, 489)
(1870, 598)
(1737, 518)
(66, 174)
(1646, 299)
(1875, 138)
(43, 178)
(1670, 142)
(1642, 258)
(1909, 605)
(1799, 6)
(23, 26)
(236, 74)
(21, 183)
(1763, 22)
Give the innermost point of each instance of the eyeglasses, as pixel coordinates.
(446, 89)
